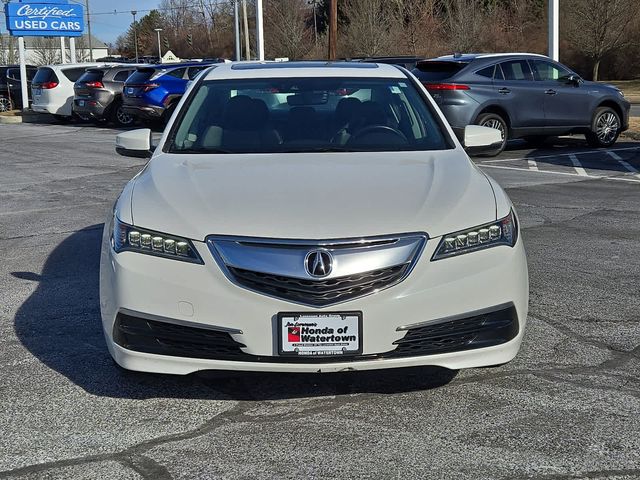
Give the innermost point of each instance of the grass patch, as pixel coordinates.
(634, 128)
(631, 88)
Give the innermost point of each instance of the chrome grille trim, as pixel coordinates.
(275, 267)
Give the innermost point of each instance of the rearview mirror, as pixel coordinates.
(136, 143)
(480, 140)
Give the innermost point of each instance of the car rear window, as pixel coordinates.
(178, 72)
(430, 71)
(140, 76)
(91, 76)
(121, 76)
(74, 74)
(44, 75)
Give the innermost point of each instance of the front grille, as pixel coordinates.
(319, 292)
(479, 331)
(162, 338)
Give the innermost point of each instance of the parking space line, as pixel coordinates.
(626, 165)
(533, 165)
(559, 154)
(522, 169)
(577, 165)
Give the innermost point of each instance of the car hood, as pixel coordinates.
(311, 195)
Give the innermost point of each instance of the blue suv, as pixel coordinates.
(153, 92)
(524, 96)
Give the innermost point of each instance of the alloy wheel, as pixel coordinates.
(5, 104)
(607, 126)
(123, 118)
(495, 123)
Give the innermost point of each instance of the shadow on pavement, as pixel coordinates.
(60, 325)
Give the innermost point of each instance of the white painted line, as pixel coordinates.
(577, 165)
(533, 165)
(520, 169)
(625, 179)
(559, 154)
(626, 165)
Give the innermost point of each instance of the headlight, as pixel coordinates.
(129, 238)
(621, 93)
(500, 232)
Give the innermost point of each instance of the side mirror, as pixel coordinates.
(574, 80)
(136, 143)
(480, 140)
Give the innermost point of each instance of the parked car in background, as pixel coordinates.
(15, 85)
(52, 88)
(98, 94)
(407, 61)
(10, 97)
(152, 92)
(524, 96)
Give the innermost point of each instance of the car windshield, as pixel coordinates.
(306, 115)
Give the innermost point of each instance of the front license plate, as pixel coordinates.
(81, 103)
(320, 334)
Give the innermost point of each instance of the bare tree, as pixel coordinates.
(597, 27)
(465, 20)
(287, 31)
(47, 50)
(371, 28)
(420, 25)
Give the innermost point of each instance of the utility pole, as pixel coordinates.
(333, 29)
(236, 29)
(135, 33)
(259, 31)
(158, 30)
(245, 21)
(89, 31)
(554, 29)
(315, 22)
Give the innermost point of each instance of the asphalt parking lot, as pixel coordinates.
(567, 407)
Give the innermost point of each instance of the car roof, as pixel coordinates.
(304, 69)
(468, 57)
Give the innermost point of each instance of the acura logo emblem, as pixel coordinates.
(318, 263)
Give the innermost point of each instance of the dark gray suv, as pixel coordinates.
(524, 96)
(98, 94)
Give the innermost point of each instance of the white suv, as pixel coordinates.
(311, 217)
(52, 88)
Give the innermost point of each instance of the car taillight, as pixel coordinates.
(49, 85)
(445, 86)
(149, 86)
(94, 84)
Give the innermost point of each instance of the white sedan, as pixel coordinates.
(311, 217)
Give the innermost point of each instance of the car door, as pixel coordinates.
(565, 103)
(517, 94)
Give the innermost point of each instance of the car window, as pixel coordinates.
(178, 72)
(431, 71)
(194, 71)
(91, 76)
(45, 75)
(516, 70)
(73, 74)
(306, 115)
(141, 76)
(546, 71)
(121, 76)
(486, 72)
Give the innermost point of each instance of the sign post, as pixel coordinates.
(42, 18)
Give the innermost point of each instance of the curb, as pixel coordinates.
(28, 117)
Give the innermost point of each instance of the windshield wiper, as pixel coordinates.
(333, 148)
(200, 150)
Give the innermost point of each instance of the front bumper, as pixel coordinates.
(201, 296)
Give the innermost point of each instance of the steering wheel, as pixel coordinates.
(377, 129)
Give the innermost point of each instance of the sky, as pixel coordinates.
(107, 27)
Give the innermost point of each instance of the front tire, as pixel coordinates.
(493, 120)
(605, 128)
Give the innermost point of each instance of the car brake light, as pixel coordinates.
(49, 85)
(149, 86)
(445, 86)
(94, 84)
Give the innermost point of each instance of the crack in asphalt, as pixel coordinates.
(133, 457)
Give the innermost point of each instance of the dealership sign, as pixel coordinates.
(44, 18)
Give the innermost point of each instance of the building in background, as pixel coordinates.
(46, 50)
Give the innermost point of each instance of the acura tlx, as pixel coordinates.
(311, 217)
